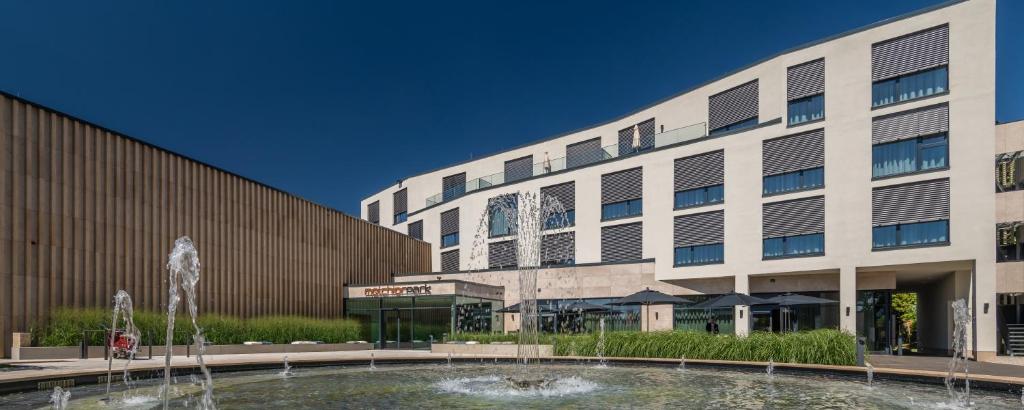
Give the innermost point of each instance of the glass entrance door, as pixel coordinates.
(396, 328)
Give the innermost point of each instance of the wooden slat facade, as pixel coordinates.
(85, 211)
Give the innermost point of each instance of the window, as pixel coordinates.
(401, 217)
(920, 233)
(911, 155)
(560, 220)
(700, 255)
(807, 109)
(451, 239)
(747, 123)
(499, 223)
(794, 181)
(1010, 242)
(910, 86)
(1009, 172)
(700, 196)
(615, 210)
(790, 246)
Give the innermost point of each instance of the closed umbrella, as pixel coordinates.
(636, 138)
(650, 297)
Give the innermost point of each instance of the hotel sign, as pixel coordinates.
(383, 291)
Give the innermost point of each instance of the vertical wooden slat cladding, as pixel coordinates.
(85, 212)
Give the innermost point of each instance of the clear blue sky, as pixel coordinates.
(333, 101)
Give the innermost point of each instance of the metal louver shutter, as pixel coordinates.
(583, 153)
(909, 53)
(400, 199)
(646, 131)
(699, 229)
(796, 217)
(501, 254)
(804, 80)
(373, 212)
(450, 222)
(909, 203)
(793, 153)
(416, 229)
(450, 261)
(700, 170)
(733, 105)
(622, 185)
(564, 193)
(622, 242)
(450, 186)
(519, 168)
(558, 248)
(910, 124)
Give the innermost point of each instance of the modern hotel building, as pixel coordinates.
(851, 168)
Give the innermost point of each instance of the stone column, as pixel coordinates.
(848, 299)
(741, 314)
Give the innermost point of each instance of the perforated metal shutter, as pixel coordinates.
(558, 248)
(622, 242)
(583, 153)
(373, 212)
(796, 217)
(733, 105)
(564, 193)
(450, 221)
(449, 185)
(501, 254)
(910, 124)
(646, 131)
(622, 185)
(400, 199)
(450, 261)
(415, 229)
(519, 168)
(804, 80)
(909, 203)
(913, 52)
(793, 153)
(700, 170)
(699, 229)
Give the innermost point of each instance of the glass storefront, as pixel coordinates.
(873, 319)
(411, 322)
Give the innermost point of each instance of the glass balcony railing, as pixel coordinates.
(678, 135)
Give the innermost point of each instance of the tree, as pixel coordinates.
(905, 307)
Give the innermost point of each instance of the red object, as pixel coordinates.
(121, 345)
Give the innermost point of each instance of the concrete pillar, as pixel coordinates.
(983, 337)
(741, 314)
(848, 299)
(656, 318)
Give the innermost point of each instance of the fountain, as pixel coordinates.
(961, 319)
(287, 372)
(59, 398)
(449, 359)
(373, 366)
(122, 310)
(771, 368)
(870, 373)
(682, 363)
(183, 266)
(599, 347)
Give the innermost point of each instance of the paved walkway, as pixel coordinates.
(1005, 368)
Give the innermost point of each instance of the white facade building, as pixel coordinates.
(856, 166)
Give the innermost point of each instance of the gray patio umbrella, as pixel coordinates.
(650, 297)
(786, 300)
(515, 309)
(730, 300)
(581, 306)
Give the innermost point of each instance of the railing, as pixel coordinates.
(675, 136)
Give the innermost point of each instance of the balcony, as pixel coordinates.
(671, 137)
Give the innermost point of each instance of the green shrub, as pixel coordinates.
(65, 327)
(488, 337)
(823, 346)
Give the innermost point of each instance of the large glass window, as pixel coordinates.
(794, 181)
(907, 156)
(501, 224)
(910, 86)
(807, 109)
(451, 239)
(560, 220)
(700, 196)
(921, 233)
(790, 246)
(747, 123)
(401, 217)
(700, 254)
(632, 207)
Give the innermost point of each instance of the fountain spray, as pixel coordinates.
(961, 318)
(183, 266)
(122, 309)
(59, 398)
